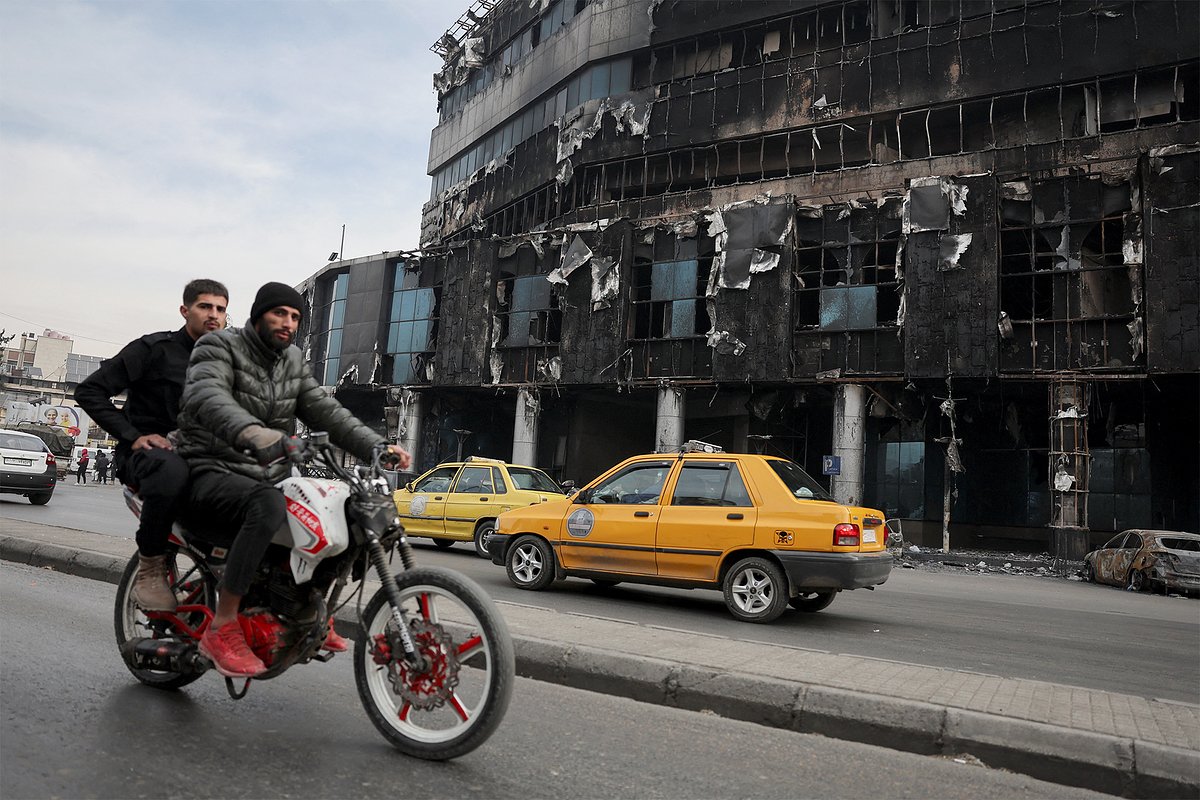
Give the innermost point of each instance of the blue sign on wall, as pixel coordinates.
(831, 465)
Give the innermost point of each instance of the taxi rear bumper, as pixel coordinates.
(808, 570)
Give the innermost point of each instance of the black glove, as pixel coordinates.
(290, 448)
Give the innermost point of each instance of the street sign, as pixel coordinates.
(831, 465)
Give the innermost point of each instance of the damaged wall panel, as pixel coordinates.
(463, 341)
(950, 278)
(593, 337)
(1172, 228)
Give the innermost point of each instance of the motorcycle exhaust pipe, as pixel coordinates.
(164, 656)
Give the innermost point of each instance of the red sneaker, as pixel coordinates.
(334, 641)
(226, 647)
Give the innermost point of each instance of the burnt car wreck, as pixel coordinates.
(953, 244)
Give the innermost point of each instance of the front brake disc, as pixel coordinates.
(430, 689)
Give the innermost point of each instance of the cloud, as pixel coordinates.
(143, 144)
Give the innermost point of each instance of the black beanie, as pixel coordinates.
(273, 295)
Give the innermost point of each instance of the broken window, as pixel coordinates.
(668, 292)
(333, 316)
(412, 326)
(528, 312)
(900, 479)
(1067, 295)
(845, 269)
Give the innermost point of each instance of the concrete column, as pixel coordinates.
(525, 428)
(849, 442)
(669, 424)
(408, 434)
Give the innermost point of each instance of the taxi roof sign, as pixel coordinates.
(697, 446)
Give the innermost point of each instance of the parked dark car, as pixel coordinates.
(27, 467)
(1147, 560)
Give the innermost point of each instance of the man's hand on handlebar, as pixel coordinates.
(395, 457)
(286, 448)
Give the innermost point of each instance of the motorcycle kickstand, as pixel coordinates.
(234, 693)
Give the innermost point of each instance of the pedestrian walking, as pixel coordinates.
(81, 472)
(101, 467)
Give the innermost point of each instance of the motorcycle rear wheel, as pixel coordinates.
(193, 585)
(455, 706)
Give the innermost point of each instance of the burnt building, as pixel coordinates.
(944, 252)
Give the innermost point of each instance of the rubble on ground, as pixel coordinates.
(927, 559)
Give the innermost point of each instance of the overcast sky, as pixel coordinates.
(144, 143)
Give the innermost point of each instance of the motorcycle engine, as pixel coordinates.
(288, 599)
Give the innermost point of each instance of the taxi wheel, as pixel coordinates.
(755, 590)
(530, 563)
(483, 534)
(812, 601)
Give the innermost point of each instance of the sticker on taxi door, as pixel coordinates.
(580, 523)
(418, 505)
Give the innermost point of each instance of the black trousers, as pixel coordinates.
(256, 510)
(160, 477)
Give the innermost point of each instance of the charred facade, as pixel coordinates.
(953, 243)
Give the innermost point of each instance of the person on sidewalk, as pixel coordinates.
(101, 467)
(151, 371)
(82, 467)
(245, 390)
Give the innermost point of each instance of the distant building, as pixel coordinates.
(948, 246)
(38, 376)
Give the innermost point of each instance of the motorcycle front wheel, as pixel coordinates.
(456, 703)
(193, 586)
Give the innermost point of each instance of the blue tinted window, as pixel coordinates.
(338, 315)
(683, 318)
(599, 87)
(620, 80)
(342, 284)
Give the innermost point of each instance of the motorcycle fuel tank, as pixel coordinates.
(316, 514)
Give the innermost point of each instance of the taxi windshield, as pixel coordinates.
(533, 479)
(799, 483)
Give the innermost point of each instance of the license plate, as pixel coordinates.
(868, 535)
(21, 462)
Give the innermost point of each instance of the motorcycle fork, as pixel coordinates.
(379, 560)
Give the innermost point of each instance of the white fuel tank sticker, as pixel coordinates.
(418, 505)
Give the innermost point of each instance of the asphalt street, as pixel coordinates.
(1048, 629)
(76, 724)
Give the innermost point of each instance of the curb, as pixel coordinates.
(1065, 756)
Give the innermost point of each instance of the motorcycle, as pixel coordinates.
(434, 665)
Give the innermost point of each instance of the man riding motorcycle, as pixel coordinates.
(151, 371)
(245, 390)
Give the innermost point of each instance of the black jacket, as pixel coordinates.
(152, 371)
(236, 380)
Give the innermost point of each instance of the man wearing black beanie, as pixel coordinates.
(245, 390)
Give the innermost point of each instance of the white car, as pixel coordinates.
(27, 467)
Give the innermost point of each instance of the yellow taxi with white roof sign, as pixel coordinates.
(758, 528)
(459, 501)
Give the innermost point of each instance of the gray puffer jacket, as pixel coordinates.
(235, 379)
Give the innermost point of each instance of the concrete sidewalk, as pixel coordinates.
(1110, 742)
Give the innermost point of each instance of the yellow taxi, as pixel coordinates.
(459, 501)
(758, 528)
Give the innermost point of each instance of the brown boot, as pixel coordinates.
(151, 591)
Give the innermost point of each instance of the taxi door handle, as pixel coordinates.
(641, 513)
(734, 515)
(483, 499)
(438, 498)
